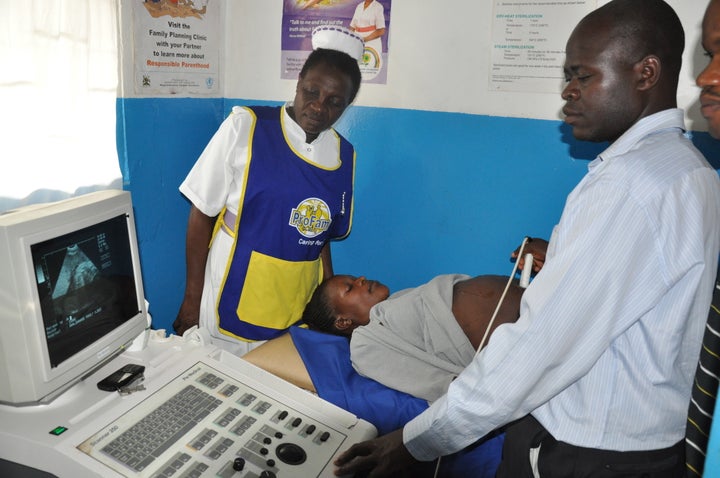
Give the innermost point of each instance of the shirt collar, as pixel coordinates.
(295, 131)
(667, 119)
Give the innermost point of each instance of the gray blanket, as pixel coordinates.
(413, 342)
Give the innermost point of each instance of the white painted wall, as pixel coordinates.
(439, 59)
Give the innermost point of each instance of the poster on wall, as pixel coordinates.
(528, 43)
(369, 18)
(176, 46)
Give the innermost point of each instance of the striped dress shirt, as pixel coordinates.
(609, 333)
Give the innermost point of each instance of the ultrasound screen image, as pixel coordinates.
(86, 285)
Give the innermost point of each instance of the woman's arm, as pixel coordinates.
(326, 261)
(197, 243)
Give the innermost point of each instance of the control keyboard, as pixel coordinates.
(207, 423)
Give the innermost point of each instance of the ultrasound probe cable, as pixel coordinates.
(526, 272)
(523, 283)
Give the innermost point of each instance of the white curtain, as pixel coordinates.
(58, 84)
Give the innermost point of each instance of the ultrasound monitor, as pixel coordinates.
(71, 295)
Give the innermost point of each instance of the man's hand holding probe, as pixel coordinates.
(536, 247)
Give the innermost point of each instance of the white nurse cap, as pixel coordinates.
(338, 38)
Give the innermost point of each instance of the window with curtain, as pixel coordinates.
(58, 84)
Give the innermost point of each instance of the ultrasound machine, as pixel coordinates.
(88, 389)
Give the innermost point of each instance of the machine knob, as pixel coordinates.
(291, 454)
(238, 464)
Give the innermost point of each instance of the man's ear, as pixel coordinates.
(649, 69)
(344, 323)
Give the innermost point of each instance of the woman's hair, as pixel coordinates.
(319, 314)
(338, 60)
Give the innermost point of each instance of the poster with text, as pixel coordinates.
(369, 19)
(176, 46)
(528, 43)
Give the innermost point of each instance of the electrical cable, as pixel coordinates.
(526, 239)
(437, 467)
(502, 297)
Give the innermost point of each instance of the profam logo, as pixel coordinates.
(311, 217)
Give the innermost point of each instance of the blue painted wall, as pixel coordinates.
(435, 192)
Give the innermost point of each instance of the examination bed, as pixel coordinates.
(320, 363)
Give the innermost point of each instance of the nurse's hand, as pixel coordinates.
(536, 247)
(188, 316)
(383, 456)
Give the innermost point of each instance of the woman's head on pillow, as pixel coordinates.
(342, 303)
